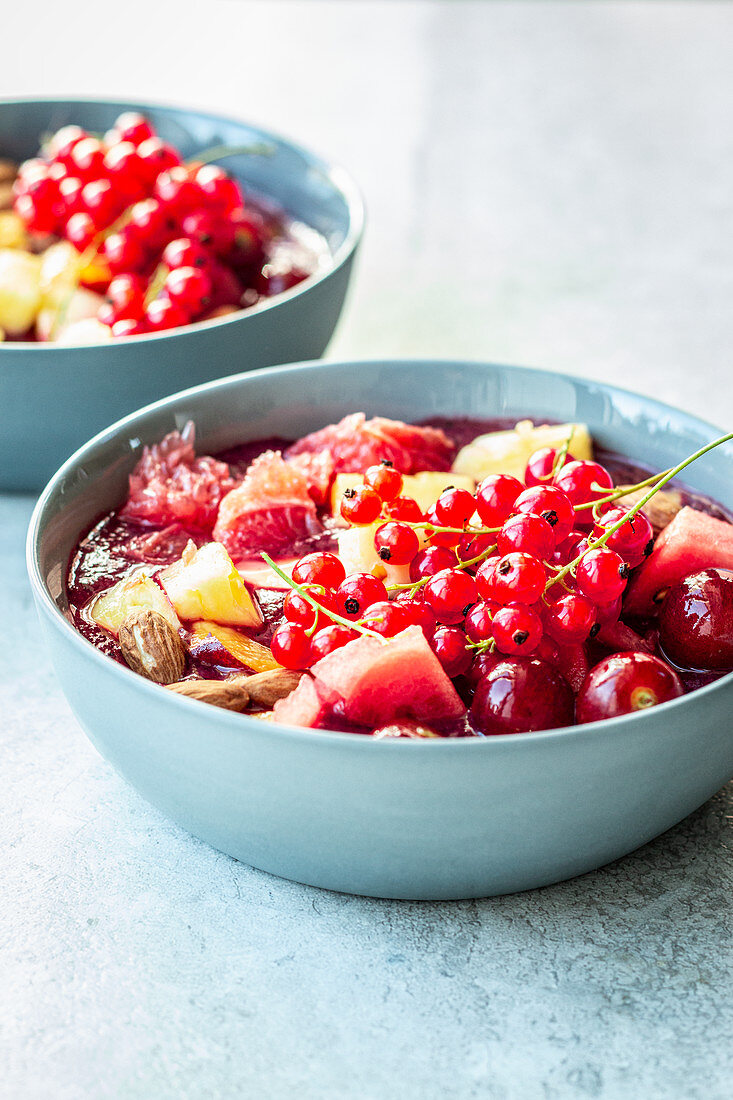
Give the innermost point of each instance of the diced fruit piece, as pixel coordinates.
(222, 645)
(86, 331)
(692, 541)
(60, 270)
(270, 510)
(356, 443)
(424, 487)
(303, 707)
(318, 471)
(205, 585)
(171, 485)
(372, 681)
(619, 636)
(507, 452)
(12, 230)
(20, 290)
(56, 321)
(258, 574)
(138, 592)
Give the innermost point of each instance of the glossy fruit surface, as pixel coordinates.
(624, 683)
(696, 621)
(521, 694)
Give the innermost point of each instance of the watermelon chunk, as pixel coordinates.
(356, 443)
(270, 510)
(692, 541)
(372, 682)
(303, 707)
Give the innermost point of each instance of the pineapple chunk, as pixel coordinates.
(357, 552)
(130, 594)
(20, 290)
(507, 452)
(425, 487)
(58, 320)
(211, 638)
(205, 585)
(86, 331)
(12, 230)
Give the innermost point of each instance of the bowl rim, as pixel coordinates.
(342, 181)
(244, 723)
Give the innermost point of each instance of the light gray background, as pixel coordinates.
(548, 184)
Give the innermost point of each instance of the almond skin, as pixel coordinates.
(229, 694)
(265, 688)
(151, 646)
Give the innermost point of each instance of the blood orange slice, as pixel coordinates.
(356, 443)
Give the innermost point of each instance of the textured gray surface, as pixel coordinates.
(560, 193)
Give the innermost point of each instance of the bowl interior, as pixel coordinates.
(306, 186)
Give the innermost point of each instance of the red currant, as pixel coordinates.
(570, 618)
(38, 208)
(418, 613)
(385, 618)
(123, 250)
(360, 505)
(358, 592)
(540, 466)
(129, 326)
(439, 538)
(529, 533)
(163, 314)
(319, 568)
(134, 127)
(384, 480)
(518, 578)
(176, 192)
(126, 294)
(552, 505)
(479, 620)
(430, 561)
(209, 230)
(80, 231)
(450, 593)
(396, 543)
(328, 639)
(449, 646)
(86, 159)
(454, 507)
(220, 190)
(601, 575)
(485, 577)
(63, 141)
(70, 189)
(634, 540)
(404, 508)
(517, 629)
(148, 218)
(155, 156)
(290, 646)
(183, 252)
(189, 288)
(101, 202)
(297, 609)
(495, 497)
(584, 482)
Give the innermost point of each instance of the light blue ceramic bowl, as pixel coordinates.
(402, 819)
(53, 398)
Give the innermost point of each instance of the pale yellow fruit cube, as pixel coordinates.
(425, 487)
(507, 452)
(131, 594)
(86, 331)
(357, 552)
(20, 290)
(205, 585)
(12, 230)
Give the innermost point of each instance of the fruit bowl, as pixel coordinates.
(53, 397)
(431, 819)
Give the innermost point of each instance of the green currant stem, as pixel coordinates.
(219, 152)
(414, 585)
(560, 456)
(623, 491)
(665, 477)
(314, 603)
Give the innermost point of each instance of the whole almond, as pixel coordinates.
(229, 694)
(265, 688)
(152, 647)
(8, 170)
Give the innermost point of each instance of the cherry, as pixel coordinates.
(328, 639)
(518, 578)
(624, 683)
(360, 506)
(552, 505)
(404, 508)
(358, 592)
(450, 594)
(319, 568)
(540, 465)
(633, 541)
(396, 543)
(449, 646)
(601, 575)
(430, 561)
(384, 480)
(189, 288)
(696, 621)
(495, 497)
(517, 629)
(582, 482)
(521, 694)
(454, 507)
(528, 533)
(570, 618)
(385, 618)
(290, 646)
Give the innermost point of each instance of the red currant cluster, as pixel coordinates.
(174, 241)
(545, 565)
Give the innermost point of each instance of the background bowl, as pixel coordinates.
(406, 819)
(53, 398)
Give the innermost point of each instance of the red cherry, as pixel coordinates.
(495, 497)
(358, 592)
(449, 646)
(396, 543)
(384, 480)
(521, 694)
(517, 629)
(450, 594)
(552, 505)
(319, 568)
(360, 506)
(624, 683)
